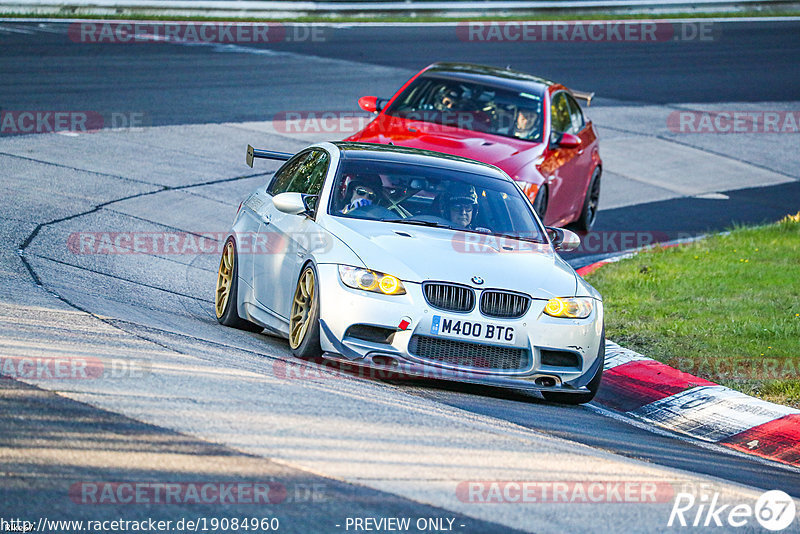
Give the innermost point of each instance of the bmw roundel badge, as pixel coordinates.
(477, 280)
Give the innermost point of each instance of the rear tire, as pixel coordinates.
(590, 203)
(593, 386)
(226, 296)
(304, 316)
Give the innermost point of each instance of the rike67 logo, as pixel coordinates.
(774, 511)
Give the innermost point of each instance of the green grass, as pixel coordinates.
(726, 308)
(533, 16)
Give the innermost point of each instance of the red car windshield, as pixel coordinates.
(471, 106)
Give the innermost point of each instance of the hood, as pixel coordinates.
(507, 153)
(417, 253)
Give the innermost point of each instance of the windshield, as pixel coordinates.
(431, 196)
(471, 106)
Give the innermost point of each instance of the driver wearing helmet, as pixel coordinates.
(447, 99)
(460, 205)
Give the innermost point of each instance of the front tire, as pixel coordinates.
(590, 203)
(304, 316)
(226, 295)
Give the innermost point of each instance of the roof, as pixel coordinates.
(493, 76)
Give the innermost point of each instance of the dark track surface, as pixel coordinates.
(764, 54)
(747, 62)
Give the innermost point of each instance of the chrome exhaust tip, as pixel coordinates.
(545, 381)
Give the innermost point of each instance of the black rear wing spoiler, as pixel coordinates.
(253, 153)
(583, 95)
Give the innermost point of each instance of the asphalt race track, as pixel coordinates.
(183, 400)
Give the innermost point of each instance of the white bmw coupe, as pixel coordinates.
(415, 262)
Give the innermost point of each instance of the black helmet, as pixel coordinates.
(373, 181)
(459, 193)
(443, 93)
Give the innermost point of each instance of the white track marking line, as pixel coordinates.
(714, 447)
(711, 413)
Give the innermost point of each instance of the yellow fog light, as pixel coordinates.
(555, 307)
(571, 308)
(368, 280)
(389, 284)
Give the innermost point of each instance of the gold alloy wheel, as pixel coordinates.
(224, 278)
(300, 318)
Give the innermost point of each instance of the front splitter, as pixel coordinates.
(412, 371)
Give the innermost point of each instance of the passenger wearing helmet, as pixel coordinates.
(526, 125)
(460, 205)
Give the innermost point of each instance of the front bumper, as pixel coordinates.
(536, 333)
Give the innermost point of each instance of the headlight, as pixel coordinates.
(368, 280)
(571, 308)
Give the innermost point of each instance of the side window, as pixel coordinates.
(576, 116)
(283, 178)
(304, 174)
(559, 113)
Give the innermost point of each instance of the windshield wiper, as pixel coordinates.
(518, 237)
(433, 224)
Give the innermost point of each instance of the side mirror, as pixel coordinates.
(563, 239)
(293, 203)
(369, 103)
(569, 140)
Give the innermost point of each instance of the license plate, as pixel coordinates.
(473, 330)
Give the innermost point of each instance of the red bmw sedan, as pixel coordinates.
(531, 128)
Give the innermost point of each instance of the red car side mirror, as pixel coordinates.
(569, 140)
(368, 103)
